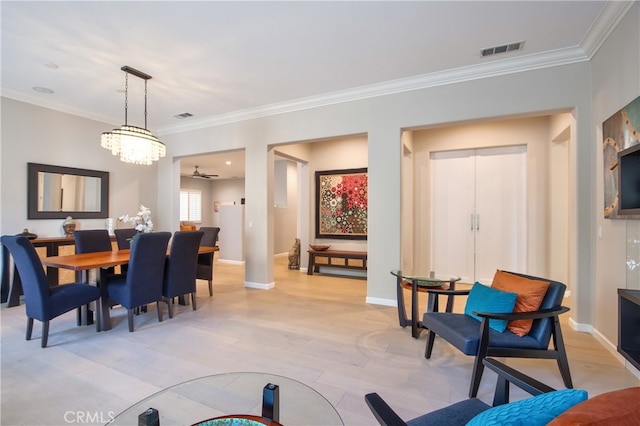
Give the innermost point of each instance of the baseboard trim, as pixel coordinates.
(383, 302)
(608, 345)
(231, 262)
(260, 286)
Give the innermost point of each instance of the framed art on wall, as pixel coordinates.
(341, 204)
(620, 132)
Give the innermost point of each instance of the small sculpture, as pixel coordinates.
(69, 225)
(294, 255)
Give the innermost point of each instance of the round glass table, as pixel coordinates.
(240, 393)
(417, 282)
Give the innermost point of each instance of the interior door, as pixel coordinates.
(452, 213)
(478, 212)
(501, 214)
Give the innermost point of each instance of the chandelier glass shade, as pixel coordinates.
(133, 144)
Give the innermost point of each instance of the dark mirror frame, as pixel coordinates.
(32, 195)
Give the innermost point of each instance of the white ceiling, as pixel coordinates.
(219, 60)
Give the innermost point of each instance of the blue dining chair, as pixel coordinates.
(123, 240)
(143, 281)
(42, 302)
(181, 267)
(124, 237)
(205, 260)
(92, 240)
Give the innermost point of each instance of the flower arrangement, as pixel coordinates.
(142, 220)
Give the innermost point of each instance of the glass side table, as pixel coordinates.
(421, 283)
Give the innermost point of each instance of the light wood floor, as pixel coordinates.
(315, 329)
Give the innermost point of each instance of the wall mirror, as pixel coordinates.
(55, 192)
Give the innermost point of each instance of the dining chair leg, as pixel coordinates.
(45, 334)
(193, 300)
(210, 288)
(159, 307)
(29, 328)
(170, 306)
(130, 319)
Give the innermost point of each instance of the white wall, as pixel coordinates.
(382, 119)
(227, 190)
(615, 82)
(285, 224)
(40, 135)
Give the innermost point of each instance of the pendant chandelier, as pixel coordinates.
(134, 144)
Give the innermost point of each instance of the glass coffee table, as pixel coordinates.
(240, 393)
(417, 282)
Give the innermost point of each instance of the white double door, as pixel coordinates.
(478, 212)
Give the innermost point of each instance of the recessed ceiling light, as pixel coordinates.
(228, 163)
(51, 65)
(43, 90)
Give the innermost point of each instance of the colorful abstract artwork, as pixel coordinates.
(620, 131)
(341, 204)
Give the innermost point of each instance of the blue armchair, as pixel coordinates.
(42, 302)
(546, 404)
(480, 340)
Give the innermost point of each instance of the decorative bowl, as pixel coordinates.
(238, 420)
(319, 247)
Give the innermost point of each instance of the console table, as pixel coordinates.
(628, 322)
(337, 259)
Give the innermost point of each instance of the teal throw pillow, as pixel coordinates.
(538, 410)
(487, 299)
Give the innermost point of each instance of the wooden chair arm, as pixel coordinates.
(507, 375)
(444, 292)
(543, 313)
(382, 412)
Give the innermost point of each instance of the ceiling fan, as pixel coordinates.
(197, 174)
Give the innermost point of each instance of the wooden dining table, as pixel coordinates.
(102, 259)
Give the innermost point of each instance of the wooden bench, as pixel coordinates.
(336, 259)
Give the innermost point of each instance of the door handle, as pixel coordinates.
(471, 219)
(478, 222)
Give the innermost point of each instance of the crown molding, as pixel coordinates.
(451, 76)
(607, 20)
(39, 101)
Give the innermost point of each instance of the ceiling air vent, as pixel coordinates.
(510, 47)
(184, 115)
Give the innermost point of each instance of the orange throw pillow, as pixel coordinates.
(621, 407)
(530, 294)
